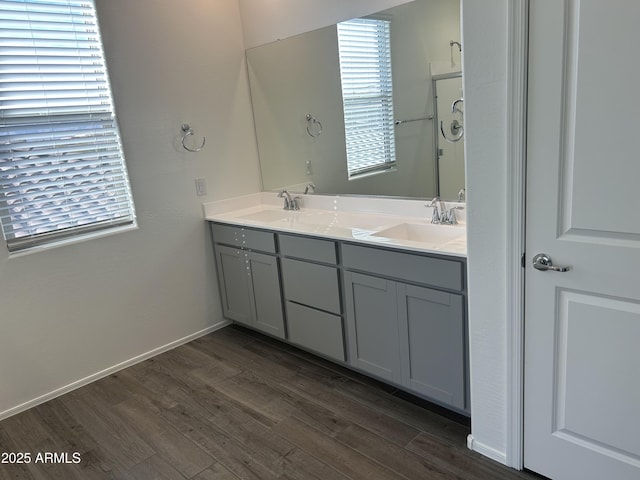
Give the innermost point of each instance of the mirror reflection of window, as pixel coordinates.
(298, 75)
(367, 95)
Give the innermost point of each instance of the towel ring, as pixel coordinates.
(187, 131)
(314, 127)
(457, 131)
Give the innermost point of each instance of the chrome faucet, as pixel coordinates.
(289, 202)
(310, 186)
(450, 217)
(442, 215)
(439, 209)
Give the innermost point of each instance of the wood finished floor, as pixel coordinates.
(234, 404)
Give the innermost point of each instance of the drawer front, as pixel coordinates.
(244, 237)
(315, 330)
(308, 248)
(311, 284)
(437, 272)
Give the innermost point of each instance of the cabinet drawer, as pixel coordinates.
(311, 284)
(315, 330)
(308, 248)
(244, 237)
(438, 272)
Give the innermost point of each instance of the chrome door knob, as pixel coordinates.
(543, 262)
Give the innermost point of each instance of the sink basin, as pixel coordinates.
(343, 219)
(419, 232)
(267, 215)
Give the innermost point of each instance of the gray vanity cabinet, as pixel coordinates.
(432, 343)
(264, 291)
(249, 280)
(234, 283)
(394, 314)
(311, 288)
(372, 322)
(406, 321)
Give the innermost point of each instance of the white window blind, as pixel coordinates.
(62, 170)
(367, 94)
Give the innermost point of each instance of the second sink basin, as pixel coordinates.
(421, 232)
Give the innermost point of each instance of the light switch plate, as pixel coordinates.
(201, 187)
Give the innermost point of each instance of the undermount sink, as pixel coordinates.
(267, 215)
(313, 218)
(418, 232)
(343, 219)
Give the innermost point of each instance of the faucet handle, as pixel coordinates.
(435, 214)
(439, 212)
(287, 199)
(451, 215)
(295, 203)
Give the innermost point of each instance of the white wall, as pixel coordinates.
(74, 311)
(267, 21)
(484, 42)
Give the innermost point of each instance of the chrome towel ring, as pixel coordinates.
(314, 127)
(187, 131)
(456, 127)
(457, 131)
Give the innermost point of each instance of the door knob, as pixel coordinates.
(543, 262)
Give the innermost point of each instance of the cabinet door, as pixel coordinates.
(316, 330)
(310, 284)
(234, 279)
(372, 321)
(432, 340)
(265, 294)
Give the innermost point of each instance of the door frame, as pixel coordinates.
(517, 64)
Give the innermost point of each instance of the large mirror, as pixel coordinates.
(298, 96)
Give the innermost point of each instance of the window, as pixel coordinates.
(367, 95)
(62, 170)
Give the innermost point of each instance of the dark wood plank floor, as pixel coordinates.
(234, 404)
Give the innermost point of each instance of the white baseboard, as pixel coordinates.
(482, 449)
(108, 371)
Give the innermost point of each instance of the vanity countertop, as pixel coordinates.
(398, 223)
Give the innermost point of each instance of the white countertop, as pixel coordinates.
(398, 223)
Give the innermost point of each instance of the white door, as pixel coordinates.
(582, 327)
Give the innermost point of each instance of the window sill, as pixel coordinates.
(372, 173)
(77, 239)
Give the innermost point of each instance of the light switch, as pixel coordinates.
(201, 187)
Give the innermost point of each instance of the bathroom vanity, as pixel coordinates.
(380, 293)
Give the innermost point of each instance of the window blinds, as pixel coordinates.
(62, 170)
(367, 94)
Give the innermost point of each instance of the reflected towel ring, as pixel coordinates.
(187, 131)
(314, 127)
(457, 130)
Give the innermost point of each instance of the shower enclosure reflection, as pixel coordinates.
(299, 114)
(449, 125)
